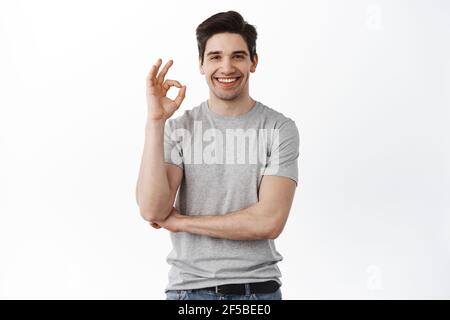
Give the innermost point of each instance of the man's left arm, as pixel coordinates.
(263, 220)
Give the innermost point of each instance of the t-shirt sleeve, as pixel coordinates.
(284, 152)
(173, 151)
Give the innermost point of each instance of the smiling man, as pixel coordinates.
(229, 207)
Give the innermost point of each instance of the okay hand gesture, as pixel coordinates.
(161, 107)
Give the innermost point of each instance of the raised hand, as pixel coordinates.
(161, 107)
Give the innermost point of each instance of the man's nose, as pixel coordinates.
(227, 66)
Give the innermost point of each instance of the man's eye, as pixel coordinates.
(239, 57)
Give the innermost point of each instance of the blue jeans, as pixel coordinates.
(210, 295)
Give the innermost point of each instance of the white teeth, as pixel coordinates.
(226, 80)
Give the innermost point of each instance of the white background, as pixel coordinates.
(367, 82)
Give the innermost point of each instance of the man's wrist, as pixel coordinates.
(183, 223)
(153, 125)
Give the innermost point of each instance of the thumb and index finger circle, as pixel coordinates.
(171, 83)
(181, 93)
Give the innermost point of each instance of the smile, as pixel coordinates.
(227, 82)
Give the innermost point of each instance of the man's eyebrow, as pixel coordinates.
(234, 52)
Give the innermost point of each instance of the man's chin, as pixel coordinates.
(227, 97)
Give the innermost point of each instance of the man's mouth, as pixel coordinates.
(227, 82)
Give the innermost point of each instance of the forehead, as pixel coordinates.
(226, 42)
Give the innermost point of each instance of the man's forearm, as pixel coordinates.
(252, 223)
(153, 189)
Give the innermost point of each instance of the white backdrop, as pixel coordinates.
(367, 82)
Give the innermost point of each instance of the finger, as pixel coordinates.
(171, 83)
(153, 71)
(151, 80)
(180, 97)
(164, 70)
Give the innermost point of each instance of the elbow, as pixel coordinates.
(264, 234)
(148, 216)
(153, 208)
(155, 215)
(276, 224)
(153, 212)
(272, 222)
(271, 234)
(273, 231)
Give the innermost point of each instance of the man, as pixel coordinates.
(234, 161)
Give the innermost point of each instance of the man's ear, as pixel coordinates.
(254, 63)
(200, 67)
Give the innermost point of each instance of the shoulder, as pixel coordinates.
(277, 120)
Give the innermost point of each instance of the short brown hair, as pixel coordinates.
(231, 22)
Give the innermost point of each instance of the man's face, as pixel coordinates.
(227, 58)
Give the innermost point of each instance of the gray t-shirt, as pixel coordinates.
(223, 160)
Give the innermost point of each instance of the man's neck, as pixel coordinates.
(231, 107)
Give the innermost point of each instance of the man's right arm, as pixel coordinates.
(158, 181)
